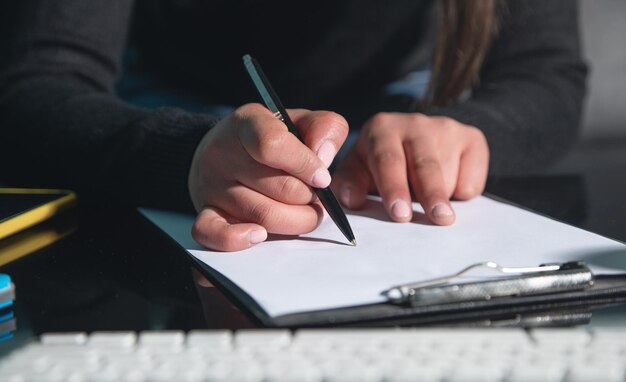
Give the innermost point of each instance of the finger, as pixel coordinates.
(427, 180)
(267, 141)
(352, 181)
(217, 230)
(450, 162)
(323, 131)
(248, 205)
(473, 168)
(275, 184)
(387, 163)
(448, 137)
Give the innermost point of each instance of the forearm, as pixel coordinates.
(66, 134)
(60, 122)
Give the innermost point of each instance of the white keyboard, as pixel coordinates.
(324, 355)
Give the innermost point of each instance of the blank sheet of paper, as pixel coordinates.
(321, 271)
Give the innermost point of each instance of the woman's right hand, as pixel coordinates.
(249, 175)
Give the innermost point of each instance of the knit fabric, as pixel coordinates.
(63, 125)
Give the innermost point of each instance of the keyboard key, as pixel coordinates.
(64, 338)
(561, 337)
(112, 339)
(293, 373)
(210, 339)
(268, 338)
(162, 338)
(596, 372)
(411, 373)
(534, 372)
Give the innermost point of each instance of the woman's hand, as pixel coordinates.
(250, 175)
(438, 157)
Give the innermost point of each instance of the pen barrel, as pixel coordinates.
(332, 207)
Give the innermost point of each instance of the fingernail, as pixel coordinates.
(321, 179)
(257, 236)
(441, 210)
(400, 210)
(327, 152)
(344, 195)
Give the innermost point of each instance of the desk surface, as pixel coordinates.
(96, 278)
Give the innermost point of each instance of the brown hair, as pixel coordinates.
(466, 29)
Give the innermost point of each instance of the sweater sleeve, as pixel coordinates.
(61, 124)
(529, 99)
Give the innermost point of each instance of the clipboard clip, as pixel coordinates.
(509, 282)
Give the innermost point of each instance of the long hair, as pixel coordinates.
(466, 29)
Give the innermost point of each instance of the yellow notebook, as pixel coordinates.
(21, 208)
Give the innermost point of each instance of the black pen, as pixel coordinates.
(325, 195)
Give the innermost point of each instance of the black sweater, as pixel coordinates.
(62, 124)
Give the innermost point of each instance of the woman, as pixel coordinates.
(504, 96)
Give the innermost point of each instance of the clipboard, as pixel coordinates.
(569, 302)
(566, 298)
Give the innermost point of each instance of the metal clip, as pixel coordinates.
(511, 282)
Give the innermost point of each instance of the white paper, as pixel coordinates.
(321, 270)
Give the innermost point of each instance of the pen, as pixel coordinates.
(325, 195)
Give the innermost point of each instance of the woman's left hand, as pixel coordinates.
(439, 157)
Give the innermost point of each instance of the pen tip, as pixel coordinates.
(354, 242)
